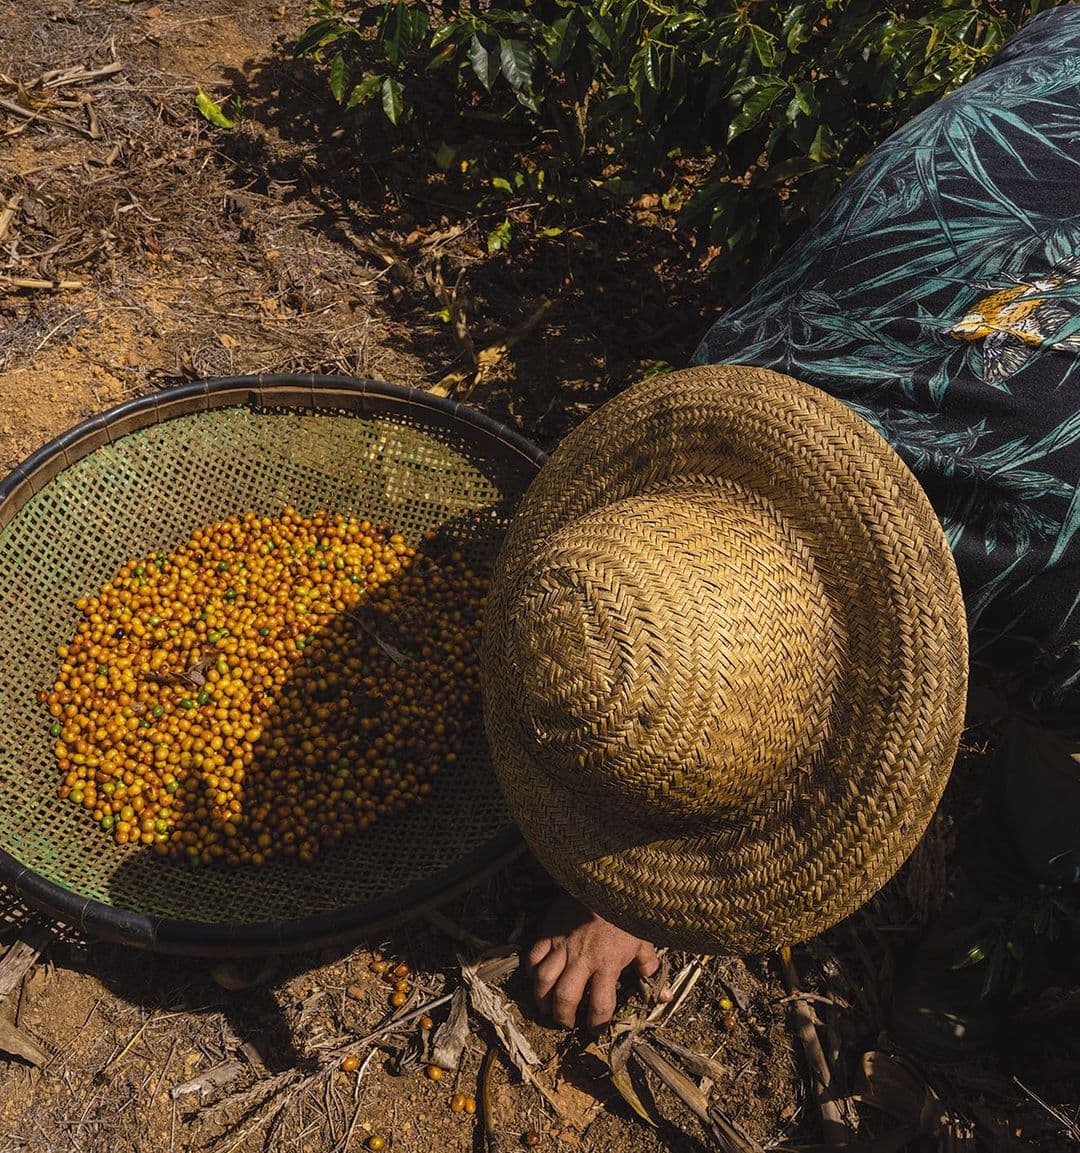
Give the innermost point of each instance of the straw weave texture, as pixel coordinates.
(725, 661)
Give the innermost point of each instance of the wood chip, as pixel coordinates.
(490, 1004)
(448, 1041)
(696, 1063)
(19, 1044)
(20, 959)
(8, 214)
(211, 1081)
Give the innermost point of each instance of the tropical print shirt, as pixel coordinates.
(939, 297)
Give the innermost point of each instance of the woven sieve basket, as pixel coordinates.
(142, 477)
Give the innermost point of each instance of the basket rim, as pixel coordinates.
(218, 939)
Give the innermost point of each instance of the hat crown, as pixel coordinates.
(675, 654)
(838, 711)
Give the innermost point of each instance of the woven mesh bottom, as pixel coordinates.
(149, 490)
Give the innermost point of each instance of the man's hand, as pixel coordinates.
(576, 949)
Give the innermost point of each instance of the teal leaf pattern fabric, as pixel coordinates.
(939, 297)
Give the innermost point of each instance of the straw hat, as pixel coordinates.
(725, 661)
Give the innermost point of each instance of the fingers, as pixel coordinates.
(588, 952)
(547, 972)
(539, 951)
(567, 993)
(602, 990)
(646, 962)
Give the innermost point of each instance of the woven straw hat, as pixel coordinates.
(725, 661)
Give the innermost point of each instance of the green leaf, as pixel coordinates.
(317, 35)
(627, 33)
(444, 157)
(975, 954)
(210, 110)
(650, 66)
(480, 59)
(548, 233)
(823, 146)
(502, 184)
(786, 170)
(403, 30)
(763, 93)
(516, 59)
(365, 90)
(527, 100)
(804, 98)
(440, 58)
(392, 102)
(680, 19)
(795, 30)
(561, 44)
(499, 238)
(449, 29)
(601, 29)
(339, 76)
(618, 186)
(762, 42)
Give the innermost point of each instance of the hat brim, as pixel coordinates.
(833, 831)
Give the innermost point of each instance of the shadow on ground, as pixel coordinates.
(626, 288)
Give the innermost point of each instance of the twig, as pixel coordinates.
(26, 114)
(344, 1145)
(78, 74)
(1070, 1127)
(92, 120)
(265, 1119)
(258, 1094)
(834, 1128)
(487, 358)
(815, 998)
(8, 215)
(721, 1128)
(45, 285)
(53, 331)
(138, 1033)
(696, 1063)
(457, 932)
(491, 969)
(165, 1068)
(684, 982)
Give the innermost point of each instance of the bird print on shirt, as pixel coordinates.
(1014, 322)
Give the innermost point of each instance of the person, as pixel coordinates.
(938, 299)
